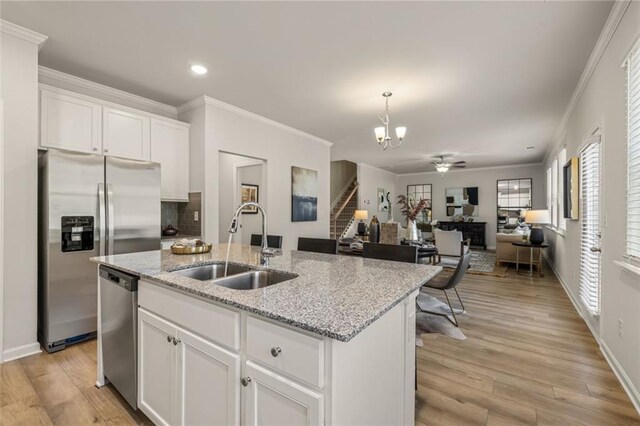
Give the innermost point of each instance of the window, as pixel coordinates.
(555, 191)
(590, 226)
(562, 159)
(633, 152)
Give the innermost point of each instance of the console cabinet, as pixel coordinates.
(474, 231)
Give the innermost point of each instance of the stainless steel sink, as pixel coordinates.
(212, 272)
(254, 279)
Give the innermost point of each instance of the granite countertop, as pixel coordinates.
(334, 296)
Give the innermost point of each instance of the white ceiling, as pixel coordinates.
(482, 80)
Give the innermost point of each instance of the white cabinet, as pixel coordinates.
(184, 379)
(126, 134)
(69, 122)
(209, 382)
(170, 148)
(157, 377)
(272, 400)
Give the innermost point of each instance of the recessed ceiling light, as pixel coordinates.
(198, 69)
(530, 147)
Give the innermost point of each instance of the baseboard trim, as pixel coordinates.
(21, 351)
(624, 380)
(621, 375)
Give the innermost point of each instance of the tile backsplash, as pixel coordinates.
(182, 215)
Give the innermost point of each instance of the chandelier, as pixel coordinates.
(382, 132)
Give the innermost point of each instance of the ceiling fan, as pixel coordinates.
(443, 166)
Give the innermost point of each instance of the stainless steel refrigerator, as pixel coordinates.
(89, 205)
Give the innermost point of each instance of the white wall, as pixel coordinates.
(486, 181)
(252, 223)
(370, 179)
(603, 103)
(19, 91)
(229, 129)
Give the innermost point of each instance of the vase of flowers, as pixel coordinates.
(412, 210)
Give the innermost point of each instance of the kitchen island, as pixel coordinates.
(334, 343)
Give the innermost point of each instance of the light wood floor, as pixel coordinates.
(529, 359)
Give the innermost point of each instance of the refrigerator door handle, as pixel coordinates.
(102, 211)
(110, 214)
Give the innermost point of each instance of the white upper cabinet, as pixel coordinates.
(170, 148)
(69, 122)
(126, 134)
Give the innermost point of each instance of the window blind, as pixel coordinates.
(590, 226)
(554, 193)
(633, 153)
(562, 159)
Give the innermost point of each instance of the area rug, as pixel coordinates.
(429, 323)
(482, 263)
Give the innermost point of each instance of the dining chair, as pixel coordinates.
(273, 241)
(450, 243)
(318, 245)
(394, 252)
(445, 282)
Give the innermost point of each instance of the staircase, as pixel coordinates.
(343, 210)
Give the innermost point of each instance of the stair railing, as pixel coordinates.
(342, 207)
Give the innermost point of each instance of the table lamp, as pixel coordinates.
(539, 217)
(362, 215)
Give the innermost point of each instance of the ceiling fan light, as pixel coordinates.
(441, 168)
(400, 132)
(380, 134)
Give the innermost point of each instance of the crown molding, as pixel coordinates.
(23, 33)
(475, 169)
(206, 100)
(156, 107)
(377, 168)
(615, 16)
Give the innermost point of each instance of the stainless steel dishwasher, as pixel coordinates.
(119, 331)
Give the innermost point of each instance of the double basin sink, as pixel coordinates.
(239, 277)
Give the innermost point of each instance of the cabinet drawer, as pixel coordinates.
(299, 355)
(213, 322)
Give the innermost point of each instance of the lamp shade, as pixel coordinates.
(537, 216)
(361, 215)
(380, 133)
(401, 132)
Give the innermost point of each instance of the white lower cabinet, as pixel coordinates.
(272, 400)
(156, 368)
(184, 379)
(209, 383)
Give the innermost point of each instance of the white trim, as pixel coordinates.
(615, 366)
(23, 33)
(54, 76)
(610, 27)
(21, 351)
(1, 229)
(473, 169)
(377, 168)
(206, 100)
(623, 378)
(633, 269)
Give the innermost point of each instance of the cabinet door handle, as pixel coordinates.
(245, 381)
(275, 351)
(169, 339)
(95, 148)
(106, 150)
(176, 341)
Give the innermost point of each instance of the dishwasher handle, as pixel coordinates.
(113, 276)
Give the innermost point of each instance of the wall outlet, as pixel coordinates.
(195, 216)
(620, 328)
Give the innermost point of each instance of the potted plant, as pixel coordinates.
(411, 210)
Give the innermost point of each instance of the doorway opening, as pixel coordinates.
(240, 178)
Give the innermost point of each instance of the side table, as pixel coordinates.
(532, 247)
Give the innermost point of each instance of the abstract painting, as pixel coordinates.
(304, 195)
(462, 201)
